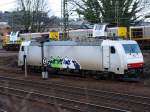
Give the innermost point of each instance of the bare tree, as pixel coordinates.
(33, 13)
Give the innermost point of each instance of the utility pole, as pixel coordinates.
(64, 15)
(117, 13)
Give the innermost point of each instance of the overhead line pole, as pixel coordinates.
(64, 15)
(117, 13)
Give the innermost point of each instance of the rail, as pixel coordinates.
(75, 93)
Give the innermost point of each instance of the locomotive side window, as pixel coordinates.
(113, 50)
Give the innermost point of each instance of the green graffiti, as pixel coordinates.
(57, 62)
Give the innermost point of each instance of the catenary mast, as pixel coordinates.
(64, 16)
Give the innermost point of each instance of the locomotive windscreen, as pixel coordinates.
(131, 48)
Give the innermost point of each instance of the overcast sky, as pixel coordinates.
(9, 5)
(54, 5)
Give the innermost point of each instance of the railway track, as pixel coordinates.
(4, 51)
(117, 101)
(2, 110)
(64, 103)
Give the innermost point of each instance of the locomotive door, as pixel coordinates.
(106, 57)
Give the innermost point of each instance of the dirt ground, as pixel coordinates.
(22, 105)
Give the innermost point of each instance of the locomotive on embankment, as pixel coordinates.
(116, 58)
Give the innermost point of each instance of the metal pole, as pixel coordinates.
(42, 57)
(117, 13)
(25, 65)
(64, 16)
(44, 68)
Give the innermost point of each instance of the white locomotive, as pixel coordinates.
(120, 57)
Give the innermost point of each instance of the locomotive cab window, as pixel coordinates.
(112, 50)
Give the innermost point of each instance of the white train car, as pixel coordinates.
(101, 31)
(30, 36)
(123, 58)
(80, 34)
(98, 31)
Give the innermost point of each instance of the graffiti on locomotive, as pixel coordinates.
(58, 62)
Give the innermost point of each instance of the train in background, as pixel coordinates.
(13, 40)
(114, 58)
(5, 29)
(141, 34)
(100, 31)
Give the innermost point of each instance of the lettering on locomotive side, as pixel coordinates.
(58, 62)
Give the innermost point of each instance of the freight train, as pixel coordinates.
(117, 58)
